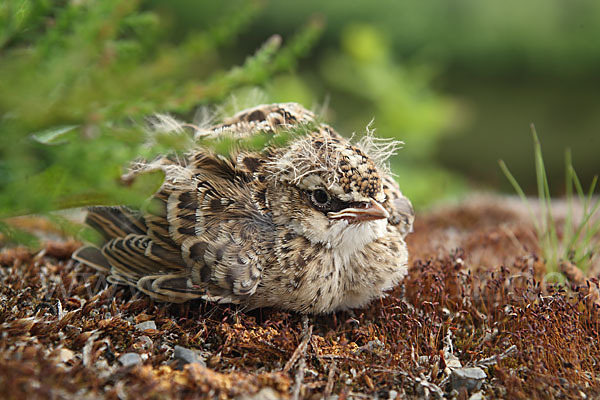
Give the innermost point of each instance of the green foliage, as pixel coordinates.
(399, 96)
(78, 79)
(576, 242)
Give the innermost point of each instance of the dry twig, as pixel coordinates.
(493, 360)
(300, 354)
(330, 380)
(576, 276)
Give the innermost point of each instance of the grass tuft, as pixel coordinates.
(577, 241)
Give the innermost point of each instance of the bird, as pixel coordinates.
(311, 224)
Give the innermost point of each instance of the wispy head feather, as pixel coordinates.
(379, 149)
(303, 157)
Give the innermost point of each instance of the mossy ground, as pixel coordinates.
(474, 280)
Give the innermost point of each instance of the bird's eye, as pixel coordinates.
(320, 198)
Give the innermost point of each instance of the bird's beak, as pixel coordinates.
(371, 211)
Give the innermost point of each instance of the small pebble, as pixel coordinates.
(144, 342)
(142, 326)
(185, 356)
(452, 361)
(130, 359)
(469, 378)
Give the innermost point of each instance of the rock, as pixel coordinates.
(452, 361)
(130, 359)
(428, 390)
(469, 378)
(143, 343)
(142, 326)
(183, 356)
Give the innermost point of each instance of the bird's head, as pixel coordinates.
(331, 191)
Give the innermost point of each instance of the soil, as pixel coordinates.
(476, 296)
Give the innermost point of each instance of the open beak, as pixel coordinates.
(371, 211)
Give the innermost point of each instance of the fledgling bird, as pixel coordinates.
(313, 226)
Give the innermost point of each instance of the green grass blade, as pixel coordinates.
(568, 229)
(578, 241)
(549, 233)
(584, 225)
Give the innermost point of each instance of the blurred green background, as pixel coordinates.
(459, 81)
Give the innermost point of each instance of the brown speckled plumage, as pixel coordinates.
(313, 226)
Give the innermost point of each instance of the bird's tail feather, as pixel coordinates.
(132, 257)
(93, 257)
(113, 222)
(174, 288)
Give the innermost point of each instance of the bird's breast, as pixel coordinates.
(317, 278)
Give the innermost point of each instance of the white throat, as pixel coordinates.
(345, 239)
(342, 238)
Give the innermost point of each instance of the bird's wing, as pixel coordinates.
(232, 260)
(233, 235)
(201, 235)
(134, 258)
(113, 222)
